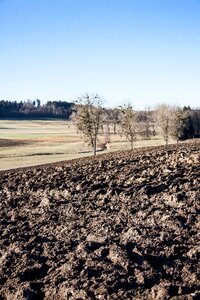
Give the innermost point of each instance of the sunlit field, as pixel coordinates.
(27, 143)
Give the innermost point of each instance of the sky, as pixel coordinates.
(140, 51)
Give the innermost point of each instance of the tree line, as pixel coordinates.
(92, 119)
(35, 110)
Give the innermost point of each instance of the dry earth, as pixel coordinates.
(12, 143)
(121, 226)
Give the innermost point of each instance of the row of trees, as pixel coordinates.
(178, 123)
(35, 110)
(175, 122)
(92, 118)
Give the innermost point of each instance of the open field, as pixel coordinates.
(27, 143)
(122, 225)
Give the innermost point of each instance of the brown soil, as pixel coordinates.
(12, 143)
(120, 226)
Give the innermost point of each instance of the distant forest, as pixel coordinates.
(35, 110)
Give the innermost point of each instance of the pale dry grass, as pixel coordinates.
(52, 141)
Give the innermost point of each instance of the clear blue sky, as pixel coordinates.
(143, 51)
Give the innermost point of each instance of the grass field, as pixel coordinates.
(27, 143)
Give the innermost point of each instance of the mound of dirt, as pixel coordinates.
(120, 226)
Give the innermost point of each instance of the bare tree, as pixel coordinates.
(114, 116)
(178, 121)
(88, 118)
(175, 122)
(128, 123)
(146, 121)
(196, 121)
(163, 115)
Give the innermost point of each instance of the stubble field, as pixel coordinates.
(28, 143)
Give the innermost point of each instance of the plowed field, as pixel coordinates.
(120, 226)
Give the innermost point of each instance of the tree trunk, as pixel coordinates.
(95, 147)
(102, 129)
(114, 128)
(131, 143)
(108, 129)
